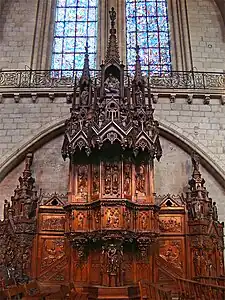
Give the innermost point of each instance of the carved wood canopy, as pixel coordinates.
(110, 109)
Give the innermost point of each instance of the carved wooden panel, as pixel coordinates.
(96, 219)
(53, 266)
(80, 220)
(95, 182)
(140, 181)
(144, 220)
(142, 271)
(127, 180)
(170, 224)
(112, 217)
(128, 219)
(79, 269)
(111, 180)
(128, 266)
(172, 251)
(52, 223)
(81, 182)
(96, 268)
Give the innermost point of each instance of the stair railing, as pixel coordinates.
(150, 291)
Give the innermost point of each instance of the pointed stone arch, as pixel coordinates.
(167, 130)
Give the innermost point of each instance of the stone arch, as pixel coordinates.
(221, 6)
(167, 130)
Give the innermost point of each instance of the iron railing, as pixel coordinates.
(66, 78)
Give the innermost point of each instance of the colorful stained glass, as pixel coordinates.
(148, 27)
(75, 26)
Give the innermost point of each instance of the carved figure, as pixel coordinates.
(196, 209)
(195, 161)
(197, 263)
(114, 256)
(80, 221)
(143, 221)
(127, 179)
(52, 251)
(115, 180)
(112, 84)
(139, 96)
(108, 179)
(215, 212)
(112, 217)
(140, 180)
(95, 180)
(171, 253)
(82, 180)
(84, 96)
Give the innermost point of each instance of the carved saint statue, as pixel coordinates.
(115, 180)
(112, 84)
(84, 96)
(196, 210)
(108, 179)
(215, 212)
(114, 260)
(127, 179)
(82, 179)
(140, 180)
(139, 96)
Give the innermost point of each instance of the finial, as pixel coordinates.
(195, 161)
(112, 14)
(86, 48)
(28, 161)
(85, 77)
(137, 49)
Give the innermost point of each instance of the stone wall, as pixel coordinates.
(17, 27)
(171, 173)
(207, 35)
(203, 124)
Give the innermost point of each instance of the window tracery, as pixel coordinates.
(148, 27)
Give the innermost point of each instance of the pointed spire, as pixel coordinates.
(199, 204)
(196, 182)
(112, 49)
(138, 74)
(24, 193)
(85, 78)
(27, 181)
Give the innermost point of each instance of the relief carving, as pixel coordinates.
(143, 219)
(127, 218)
(52, 250)
(80, 220)
(52, 223)
(96, 180)
(127, 179)
(111, 179)
(112, 217)
(171, 252)
(114, 263)
(82, 178)
(115, 179)
(108, 179)
(170, 224)
(140, 180)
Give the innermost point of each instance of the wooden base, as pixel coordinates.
(113, 293)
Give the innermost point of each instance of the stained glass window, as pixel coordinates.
(148, 27)
(75, 25)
